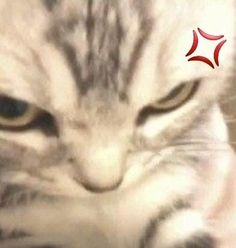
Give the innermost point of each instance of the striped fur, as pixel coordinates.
(89, 173)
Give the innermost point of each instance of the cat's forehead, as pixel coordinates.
(87, 33)
(96, 50)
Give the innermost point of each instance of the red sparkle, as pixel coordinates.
(208, 37)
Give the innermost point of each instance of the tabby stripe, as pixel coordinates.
(201, 240)
(71, 57)
(27, 244)
(165, 213)
(50, 4)
(15, 234)
(145, 31)
(57, 37)
(90, 27)
(46, 246)
(16, 195)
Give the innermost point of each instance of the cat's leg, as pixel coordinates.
(77, 221)
(180, 228)
(55, 225)
(177, 224)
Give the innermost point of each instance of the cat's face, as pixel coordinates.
(101, 80)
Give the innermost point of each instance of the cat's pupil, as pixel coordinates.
(10, 108)
(174, 93)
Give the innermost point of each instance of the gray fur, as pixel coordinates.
(103, 152)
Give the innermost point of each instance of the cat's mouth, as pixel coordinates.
(58, 181)
(21, 187)
(140, 164)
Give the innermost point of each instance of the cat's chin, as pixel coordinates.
(213, 174)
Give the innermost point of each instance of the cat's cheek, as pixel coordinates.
(185, 228)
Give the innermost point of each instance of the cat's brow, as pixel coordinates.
(101, 66)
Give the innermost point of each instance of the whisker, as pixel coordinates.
(198, 152)
(228, 115)
(230, 120)
(200, 142)
(229, 99)
(201, 150)
(205, 143)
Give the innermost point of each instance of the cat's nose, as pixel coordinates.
(102, 170)
(97, 188)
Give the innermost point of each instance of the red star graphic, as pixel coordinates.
(208, 37)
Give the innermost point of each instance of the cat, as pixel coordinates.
(105, 126)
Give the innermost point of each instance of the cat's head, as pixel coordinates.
(84, 84)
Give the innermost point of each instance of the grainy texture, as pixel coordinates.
(229, 108)
(106, 127)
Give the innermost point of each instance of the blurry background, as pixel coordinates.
(229, 107)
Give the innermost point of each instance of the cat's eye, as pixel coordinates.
(16, 113)
(173, 100)
(177, 96)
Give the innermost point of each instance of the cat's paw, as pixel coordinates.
(200, 240)
(183, 229)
